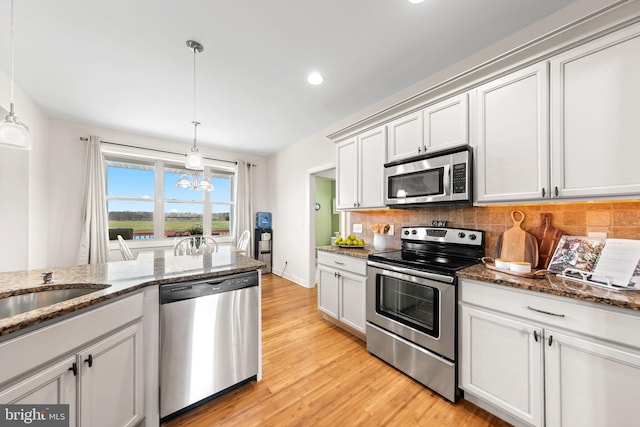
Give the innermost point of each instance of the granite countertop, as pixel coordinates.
(354, 252)
(114, 279)
(551, 284)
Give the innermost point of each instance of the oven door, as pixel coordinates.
(418, 306)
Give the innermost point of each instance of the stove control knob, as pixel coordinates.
(461, 235)
(414, 231)
(406, 232)
(472, 236)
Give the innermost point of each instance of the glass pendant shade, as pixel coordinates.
(194, 160)
(195, 181)
(14, 134)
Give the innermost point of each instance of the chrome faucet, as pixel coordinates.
(47, 277)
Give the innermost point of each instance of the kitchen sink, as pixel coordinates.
(16, 304)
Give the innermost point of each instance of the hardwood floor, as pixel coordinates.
(316, 374)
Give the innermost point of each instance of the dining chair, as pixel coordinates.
(243, 241)
(195, 245)
(126, 253)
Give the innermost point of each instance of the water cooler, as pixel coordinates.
(263, 240)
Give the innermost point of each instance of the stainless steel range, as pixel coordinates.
(412, 303)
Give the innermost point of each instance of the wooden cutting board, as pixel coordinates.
(515, 244)
(547, 237)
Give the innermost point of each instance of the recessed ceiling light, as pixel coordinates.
(416, 1)
(315, 78)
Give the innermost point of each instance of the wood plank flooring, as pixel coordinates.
(316, 374)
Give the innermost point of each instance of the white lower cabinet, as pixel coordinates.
(342, 284)
(102, 381)
(534, 368)
(111, 381)
(54, 384)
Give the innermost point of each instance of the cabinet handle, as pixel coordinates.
(535, 335)
(335, 274)
(419, 150)
(89, 360)
(556, 191)
(544, 312)
(550, 340)
(339, 262)
(74, 369)
(543, 192)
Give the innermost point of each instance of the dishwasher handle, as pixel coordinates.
(175, 292)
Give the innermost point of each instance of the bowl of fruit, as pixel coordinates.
(350, 242)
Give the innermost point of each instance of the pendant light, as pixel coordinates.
(194, 159)
(194, 162)
(13, 133)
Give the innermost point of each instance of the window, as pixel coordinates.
(170, 211)
(130, 198)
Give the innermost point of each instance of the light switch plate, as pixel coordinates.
(357, 228)
(391, 231)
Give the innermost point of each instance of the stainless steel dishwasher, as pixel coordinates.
(209, 339)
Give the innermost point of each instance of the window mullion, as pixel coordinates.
(158, 218)
(206, 211)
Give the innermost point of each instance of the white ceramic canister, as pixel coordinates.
(380, 241)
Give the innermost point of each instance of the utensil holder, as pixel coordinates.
(379, 241)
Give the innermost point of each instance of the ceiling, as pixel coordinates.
(124, 64)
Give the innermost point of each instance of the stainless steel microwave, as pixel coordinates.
(442, 178)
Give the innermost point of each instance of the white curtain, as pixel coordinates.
(244, 202)
(94, 241)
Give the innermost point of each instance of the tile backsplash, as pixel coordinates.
(620, 219)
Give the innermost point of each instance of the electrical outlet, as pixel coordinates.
(597, 235)
(391, 231)
(357, 228)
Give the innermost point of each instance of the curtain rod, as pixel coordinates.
(83, 138)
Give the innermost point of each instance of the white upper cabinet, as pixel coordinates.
(442, 125)
(512, 136)
(595, 89)
(347, 174)
(446, 124)
(360, 170)
(405, 137)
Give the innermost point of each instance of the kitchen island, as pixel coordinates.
(99, 353)
(113, 280)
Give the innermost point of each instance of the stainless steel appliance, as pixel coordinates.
(411, 303)
(209, 339)
(263, 247)
(443, 178)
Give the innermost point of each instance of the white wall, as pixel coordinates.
(23, 188)
(290, 204)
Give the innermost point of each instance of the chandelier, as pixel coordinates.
(195, 178)
(13, 133)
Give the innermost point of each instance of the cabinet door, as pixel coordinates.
(111, 380)
(347, 174)
(55, 384)
(590, 383)
(446, 124)
(594, 96)
(512, 137)
(373, 154)
(502, 364)
(405, 137)
(328, 291)
(352, 300)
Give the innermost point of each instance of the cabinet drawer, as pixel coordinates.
(343, 262)
(597, 320)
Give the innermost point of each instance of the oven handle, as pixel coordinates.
(412, 272)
